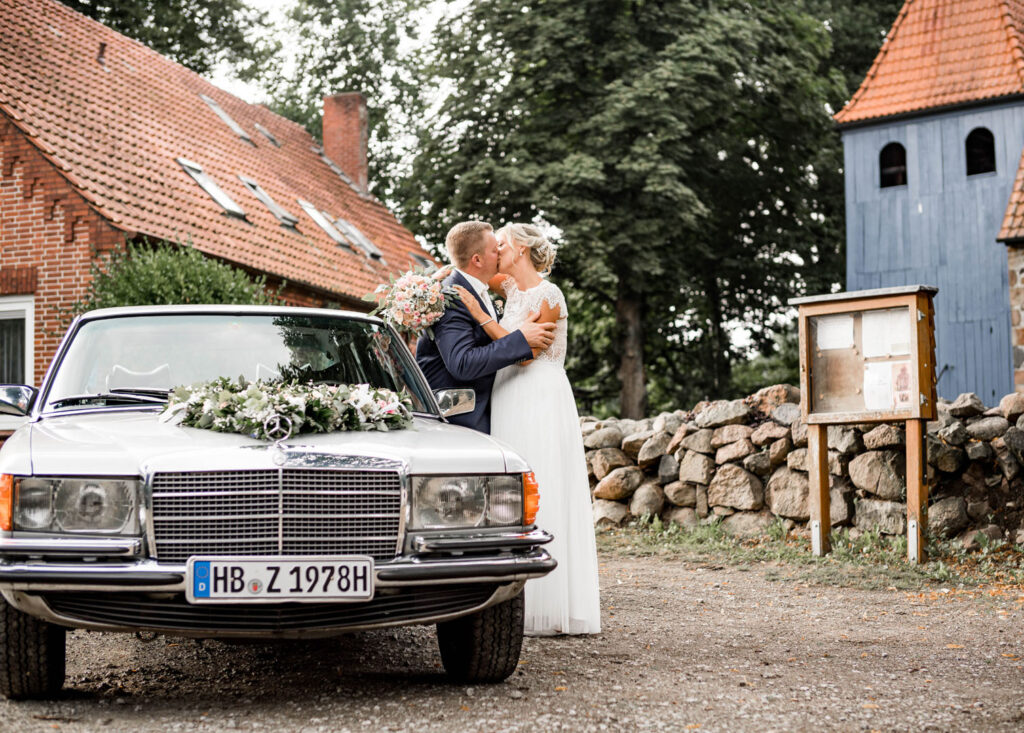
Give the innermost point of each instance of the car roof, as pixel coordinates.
(251, 310)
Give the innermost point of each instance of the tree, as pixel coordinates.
(166, 274)
(195, 33)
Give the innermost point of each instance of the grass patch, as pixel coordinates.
(870, 560)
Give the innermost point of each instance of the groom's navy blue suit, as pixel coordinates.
(462, 355)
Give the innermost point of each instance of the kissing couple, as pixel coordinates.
(516, 366)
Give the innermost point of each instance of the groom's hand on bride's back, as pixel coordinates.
(538, 335)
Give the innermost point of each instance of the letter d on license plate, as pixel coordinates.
(278, 579)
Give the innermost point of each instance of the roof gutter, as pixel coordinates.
(911, 114)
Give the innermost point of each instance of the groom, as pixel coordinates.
(462, 355)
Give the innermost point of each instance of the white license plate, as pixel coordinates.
(278, 579)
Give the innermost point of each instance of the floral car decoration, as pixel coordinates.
(229, 406)
(412, 303)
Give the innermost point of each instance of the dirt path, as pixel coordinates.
(685, 646)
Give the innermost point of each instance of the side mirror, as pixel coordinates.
(455, 401)
(16, 399)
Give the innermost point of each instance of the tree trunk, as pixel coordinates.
(629, 318)
(721, 372)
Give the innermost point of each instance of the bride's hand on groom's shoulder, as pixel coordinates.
(470, 301)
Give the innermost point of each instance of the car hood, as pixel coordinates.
(126, 443)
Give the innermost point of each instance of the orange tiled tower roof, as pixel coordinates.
(940, 53)
(114, 116)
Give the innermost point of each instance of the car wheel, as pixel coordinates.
(32, 655)
(484, 646)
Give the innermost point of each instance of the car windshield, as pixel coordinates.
(137, 359)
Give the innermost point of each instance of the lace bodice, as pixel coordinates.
(520, 303)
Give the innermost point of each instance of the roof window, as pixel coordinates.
(354, 235)
(331, 164)
(892, 164)
(980, 148)
(288, 220)
(421, 260)
(227, 119)
(267, 134)
(210, 186)
(324, 222)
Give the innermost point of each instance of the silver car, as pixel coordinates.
(115, 520)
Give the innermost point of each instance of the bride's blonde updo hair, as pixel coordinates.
(542, 251)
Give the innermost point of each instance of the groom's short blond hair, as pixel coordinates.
(466, 239)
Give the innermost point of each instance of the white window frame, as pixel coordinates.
(286, 219)
(21, 306)
(211, 188)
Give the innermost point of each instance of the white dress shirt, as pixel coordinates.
(481, 290)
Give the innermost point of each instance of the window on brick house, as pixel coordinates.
(210, 186)
(228, 120)
(354, 235)
(892, 163)
(323, 220)
(289, 220)
(17, 330)
(980, 149)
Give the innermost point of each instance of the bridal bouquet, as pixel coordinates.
(244, 407)
(412, 303)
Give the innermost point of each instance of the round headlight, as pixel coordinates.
(451, 501)
(504, 501)
(34, 505)
(82, 505)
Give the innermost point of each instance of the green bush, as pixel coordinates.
(167, 274)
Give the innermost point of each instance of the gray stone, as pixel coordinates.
(946, 458)
(734, 451)
(787, 494)
(768, 398)
(883, 436)
(979, 451)
(699, 441)
(843, 439)
(653, 450)
(778, 451)
(1007, 463)
(619, 484)
(840, 508)
(729, 434)
(722, 511)
(735, 487)
(888, 517)
(603, 438)
(631, 444)
(648, 499)
(837, 463)
(786, 414)
(702, 501)
(797, 460)
(978, 510)
(881, 473)
(696, 468)
(723, 412)
(587, 427)
(626, 426)
(798, 433)
(758, 463)
(666, 422)
(1018, 538)
(609, 513)
(972, 539)
(684, 516)
(1013, 439)
(606, 460)
(681, 432)
(1012, 406)
(947, 516)
(668, 470)
(748, 524)
(966, 405)
(681, 494)
(987, 428)
(955, 433)
(767, 432)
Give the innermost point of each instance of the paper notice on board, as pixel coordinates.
(878, 386)
(885, 333)
(834, 332)
(901, 385)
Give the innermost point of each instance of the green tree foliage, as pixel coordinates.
(166, 274)
(195, 33)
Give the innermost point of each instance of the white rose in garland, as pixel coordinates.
(243, 407)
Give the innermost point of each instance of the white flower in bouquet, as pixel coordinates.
(412, 303)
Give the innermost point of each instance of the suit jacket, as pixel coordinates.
(462, 355)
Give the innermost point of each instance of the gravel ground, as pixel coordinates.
(685, 646)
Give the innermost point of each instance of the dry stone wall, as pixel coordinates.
(744, 462)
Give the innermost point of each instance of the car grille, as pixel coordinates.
(286, 511)
(140, 611)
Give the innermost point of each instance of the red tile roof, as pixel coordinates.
(115, 129)
(1013, 220)
(943, 52)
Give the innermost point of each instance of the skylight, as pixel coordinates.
(289, 220)
(332, 165)
(227, 119)
(267, 134)
(324, 222)
(210, 186)
(421, 260)
(354, 235)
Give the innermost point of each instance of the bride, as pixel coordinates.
(532, 409)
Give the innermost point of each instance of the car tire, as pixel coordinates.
(484, 646)
(32, 655)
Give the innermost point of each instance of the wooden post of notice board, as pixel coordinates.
(867, 356)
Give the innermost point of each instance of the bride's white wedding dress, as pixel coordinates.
(533, 410)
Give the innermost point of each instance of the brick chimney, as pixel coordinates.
(345, 135)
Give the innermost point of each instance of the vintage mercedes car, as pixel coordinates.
(113, 519)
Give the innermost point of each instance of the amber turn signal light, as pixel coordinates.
(531, 498)
(6, 500)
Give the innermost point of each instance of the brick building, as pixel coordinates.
(103, 140)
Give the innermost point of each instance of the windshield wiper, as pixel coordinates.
(116, 396)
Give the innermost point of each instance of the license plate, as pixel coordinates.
(275, 580)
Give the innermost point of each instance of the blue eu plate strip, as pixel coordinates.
(201, 579)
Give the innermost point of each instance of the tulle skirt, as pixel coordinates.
(533, 411)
